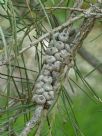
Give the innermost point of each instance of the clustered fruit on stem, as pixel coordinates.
(58, 55)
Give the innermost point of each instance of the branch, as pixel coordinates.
(12, 57)
(58, 55)
(33, 122)
(86, 14)
(90, 59)
(52, 32)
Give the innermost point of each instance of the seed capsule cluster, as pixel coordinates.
(56, 54)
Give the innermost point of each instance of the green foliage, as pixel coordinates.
(72, 114)
(2, 1)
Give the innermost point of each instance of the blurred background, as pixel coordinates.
(78, 110)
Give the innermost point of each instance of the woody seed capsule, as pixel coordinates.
(64, 53)
(56, 86)
(58, 56)
(59, 45)
(47, 79)
(40, 78)
(50, 59)
(46, 72)
(51, 50)
(47, 96)
(39, 85)
(56, 66)
(51, 94)
(67, 47)
(40, 91)
(49, 67)
(39, 99)
(55, 74)
(63, 36)
(47, 87)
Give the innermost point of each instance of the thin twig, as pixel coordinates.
(37, 115)
(12, 57)
(51, 32)
(33, 122)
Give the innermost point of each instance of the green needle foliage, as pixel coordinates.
(75, 112)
